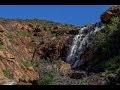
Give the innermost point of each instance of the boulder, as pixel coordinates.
(65, 69)
(7, 55)
(24, 40)
(113, 11)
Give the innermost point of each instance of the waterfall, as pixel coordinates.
(81, 42)
(10, 83)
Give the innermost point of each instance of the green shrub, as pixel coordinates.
(23, 33)
(36, 39)
(113, 64)
(31, 47)
(27, 64)
(10, 37)
(47, 75)
(2, 47)
(106, 46)
(46, 80)
(1, 58)
(7, 74)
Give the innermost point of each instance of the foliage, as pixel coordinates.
(6, 73)
(2, 47)
(46, 80)
(10, 37)
(107, 47)
(27, 63)
(1, 58)
(22, 33)
(60, 32)
(47, 72)
(36, 39)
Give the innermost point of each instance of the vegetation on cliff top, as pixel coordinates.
(107, 48)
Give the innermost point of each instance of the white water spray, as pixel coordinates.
(81, 42)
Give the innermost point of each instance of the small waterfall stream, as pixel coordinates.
(81, 42)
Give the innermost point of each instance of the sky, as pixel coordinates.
(68, 14)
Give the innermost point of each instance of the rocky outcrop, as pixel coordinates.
(18, 41)
(65, 69)
(54, 48)
(13, 56)
(73, 32)
(113, 11)
(2, 28)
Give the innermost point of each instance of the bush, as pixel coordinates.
(48, 73)
(36, 39)
(27, 64)
(46, 80)
(106, 46)
(22, 33)
(6, 73)
(2, 47)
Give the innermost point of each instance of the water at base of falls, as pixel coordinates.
(81, 42)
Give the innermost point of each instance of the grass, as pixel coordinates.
(112, 67)
(2, 47)
(31, 47)
(27, 64)
(1, 58)
(7, 74)
(10, 37)
(48, 75)
(46, 80)
(3, 20)
(36, 39)
(23, 33)
(60, 32)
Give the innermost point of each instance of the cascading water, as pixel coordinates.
(81, 42)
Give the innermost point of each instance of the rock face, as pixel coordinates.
(22, 41)
(54, 48)
(2, 28)
(113, 11)
(14, 55)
